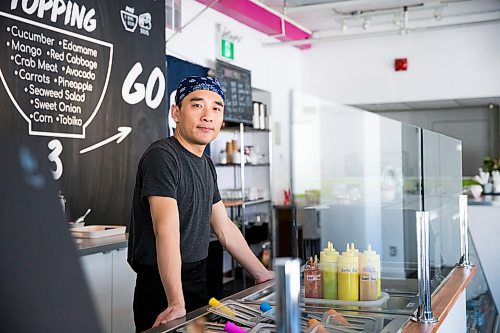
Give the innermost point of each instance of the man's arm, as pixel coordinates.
(165, 216)
(231, 238)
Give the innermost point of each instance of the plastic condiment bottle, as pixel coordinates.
(312, 279)
(369, 275)
(328, 264)
(354, 250)
(348, 277)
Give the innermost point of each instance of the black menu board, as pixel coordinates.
(86, 79)
(237, 85)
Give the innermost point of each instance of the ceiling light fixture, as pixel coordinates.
(396, 19)
(343, 26)
(366, 23)
(438, 13)
(404, 28)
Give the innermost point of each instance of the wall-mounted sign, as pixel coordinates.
(226, 41)
(87, 78)
(227, 49)
(237, 85)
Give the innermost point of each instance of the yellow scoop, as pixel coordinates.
(216, 304)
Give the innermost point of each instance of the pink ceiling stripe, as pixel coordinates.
(259, 19)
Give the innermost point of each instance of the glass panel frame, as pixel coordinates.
(357, 177)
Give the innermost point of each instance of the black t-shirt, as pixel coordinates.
(168, 169)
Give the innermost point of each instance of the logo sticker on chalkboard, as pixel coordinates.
(129, 19)
(145, 23)
(55, 78)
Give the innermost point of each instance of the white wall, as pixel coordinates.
(483, 228)
(273, 69)
(445, 64)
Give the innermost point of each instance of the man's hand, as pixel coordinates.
(268, 275)
(171, 313)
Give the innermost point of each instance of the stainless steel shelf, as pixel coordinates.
(239, 202)
(239, 165)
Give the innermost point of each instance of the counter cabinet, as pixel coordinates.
(111, 281)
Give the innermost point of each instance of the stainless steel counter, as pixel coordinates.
(175, 324)
(388, 318)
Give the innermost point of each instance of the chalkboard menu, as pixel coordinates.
(85, 78)
(237, 85)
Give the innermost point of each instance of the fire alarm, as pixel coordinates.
(401, 64)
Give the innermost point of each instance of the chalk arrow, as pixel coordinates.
(123, 132)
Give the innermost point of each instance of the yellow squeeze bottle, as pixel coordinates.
(328, 264)
(215, 303)
(348, 276)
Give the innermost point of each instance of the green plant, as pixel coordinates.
(490, 164)
(468, 182)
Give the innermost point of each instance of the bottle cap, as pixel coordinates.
(354, 250)
(369, 257)
(348, 257)
(329, 254)
(310, 263)
(265, 306)
(369, 251)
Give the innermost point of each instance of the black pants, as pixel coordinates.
(149, 295)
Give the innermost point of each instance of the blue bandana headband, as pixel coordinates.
(194, 83)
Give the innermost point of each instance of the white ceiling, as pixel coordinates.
(344, 19)
(430, 105)
(330, 20)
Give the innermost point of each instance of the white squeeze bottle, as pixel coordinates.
(369, 275)
(353, 249)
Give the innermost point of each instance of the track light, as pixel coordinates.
(438, 13)
(343, 26)
(396, 20)
(366, 23)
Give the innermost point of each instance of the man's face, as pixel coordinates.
(200, 116)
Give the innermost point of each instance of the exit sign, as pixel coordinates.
(227, 49)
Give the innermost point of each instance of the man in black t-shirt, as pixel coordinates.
(176, 199)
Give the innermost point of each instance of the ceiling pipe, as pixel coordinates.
(379, 11)
(487, 18)
(349, 4)
(191, 20)
(283, 25)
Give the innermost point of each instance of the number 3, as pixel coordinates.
(56, 147)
